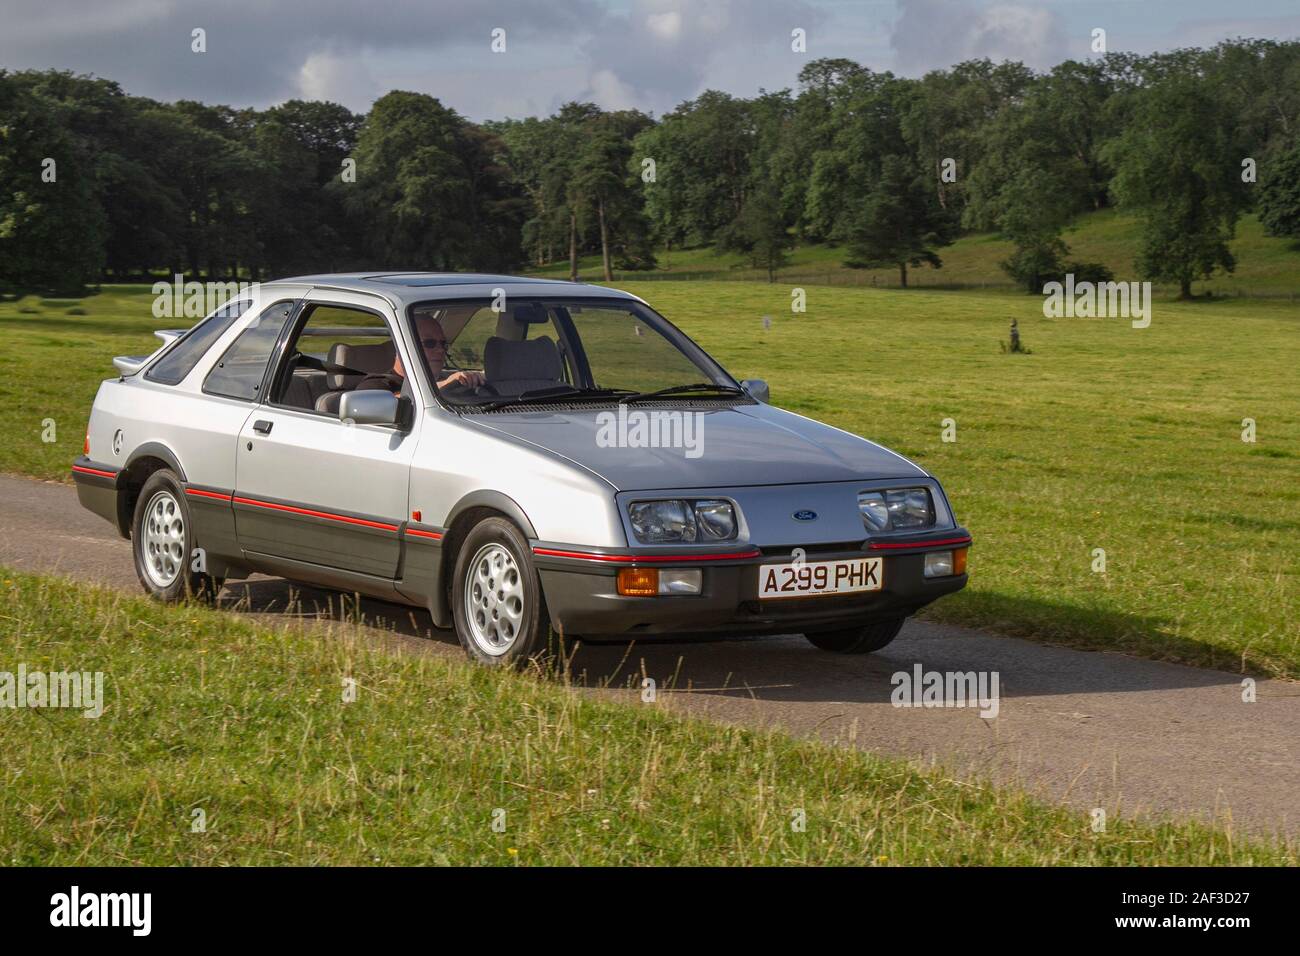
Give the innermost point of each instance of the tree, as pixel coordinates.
(1028, 183)
(51, 226)
(542, 154)
(761, 231)
(941, 117)
(605, 192)
(299, 219)
(702, 152)
(1279, 192)
(1179, 163)
(863, 124)
(899, 222)
(427, 187)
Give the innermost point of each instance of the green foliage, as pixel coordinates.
(760, 232)
(431, 191)
(899, 222)
(702, 152)
(147, 188)
(605, 191)
(51, 227)
(1279, 192)
(1179, 163)
(1037, 260)
(577, 170)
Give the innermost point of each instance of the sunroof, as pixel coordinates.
(423, 279)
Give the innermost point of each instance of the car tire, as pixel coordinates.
(162, 541)
(858, 640)
(497, 603)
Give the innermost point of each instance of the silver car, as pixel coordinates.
(530, 460)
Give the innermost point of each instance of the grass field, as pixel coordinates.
(205, 711)
(1266, 266)
(1105, 437)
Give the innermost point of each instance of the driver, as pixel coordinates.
(433, 341)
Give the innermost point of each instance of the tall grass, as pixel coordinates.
(247, 724)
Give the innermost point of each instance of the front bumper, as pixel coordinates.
(582, 593)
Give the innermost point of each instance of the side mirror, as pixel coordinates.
(371, 406)
(757, 388)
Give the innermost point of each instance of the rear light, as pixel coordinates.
(85, 449)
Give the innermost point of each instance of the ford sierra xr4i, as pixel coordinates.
(527, 459)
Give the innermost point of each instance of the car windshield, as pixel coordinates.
(490, 354)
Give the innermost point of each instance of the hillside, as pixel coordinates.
(1265, 266)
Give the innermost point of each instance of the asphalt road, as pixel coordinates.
(1086, 728)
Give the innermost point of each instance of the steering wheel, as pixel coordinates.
(485, 390)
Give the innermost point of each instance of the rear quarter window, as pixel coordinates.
(180, 359)
(239, 372)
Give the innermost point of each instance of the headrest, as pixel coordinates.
(531, 359)
(371, 359)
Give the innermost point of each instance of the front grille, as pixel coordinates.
(813, 551)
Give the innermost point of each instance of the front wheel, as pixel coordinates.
(497, 601)
(858, 640)
(162, 539)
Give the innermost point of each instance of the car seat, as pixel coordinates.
(513, 368)
(371, 359)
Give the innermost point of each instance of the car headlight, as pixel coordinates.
(897, 509)
(676, 521)
(716, 520)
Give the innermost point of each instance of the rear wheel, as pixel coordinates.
(162, 539)
(858, 640)
(497, 601)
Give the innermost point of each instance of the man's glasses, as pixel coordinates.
(434, 344)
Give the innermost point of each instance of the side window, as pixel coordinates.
(336, 348)
(239, 372)
(181, 358)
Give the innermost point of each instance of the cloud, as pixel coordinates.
(258, 52)
(933, 34)
(660, 52)
(338, 78)
(1208, 32)
(645, 54)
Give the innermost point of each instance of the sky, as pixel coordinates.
(644, 54)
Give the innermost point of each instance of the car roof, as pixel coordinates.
(405, 288)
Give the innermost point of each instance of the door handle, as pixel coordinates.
(262, 426)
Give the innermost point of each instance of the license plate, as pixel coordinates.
(820, 577)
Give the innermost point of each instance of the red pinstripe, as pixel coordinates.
(629, 558)
(315, 514)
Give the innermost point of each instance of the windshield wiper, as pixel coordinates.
(542, 396)
(680, 389)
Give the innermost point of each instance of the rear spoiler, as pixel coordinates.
(128, 365)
